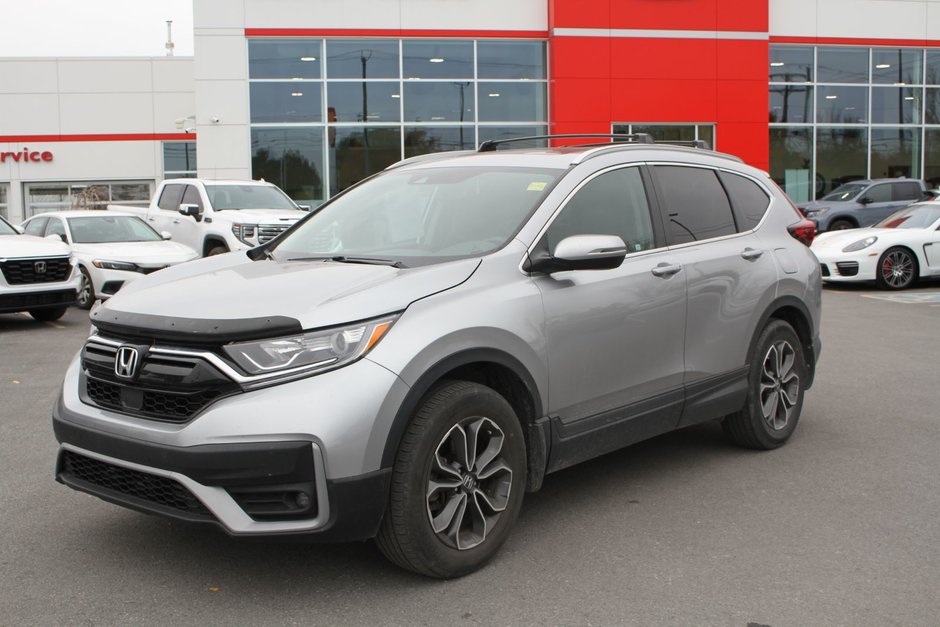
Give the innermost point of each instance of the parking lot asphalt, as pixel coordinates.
(839, 527)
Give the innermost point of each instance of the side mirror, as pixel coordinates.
(582, 252)
(166, 235)
(865, 200)
(304, 207)
(58, 237)
(191, 210)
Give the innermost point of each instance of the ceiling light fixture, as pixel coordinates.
(396, 95)
(494, 95)
(436, 60)
(882, 66)
(776, 64)
(308, 58)
(831, 97)
(297, 93)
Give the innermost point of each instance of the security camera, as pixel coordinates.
(214, 119)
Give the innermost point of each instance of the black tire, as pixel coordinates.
(841, 225)
(48, 315)
(897, 269)
(407, 536)
(216, 249)
(86, 291)
(754, 426)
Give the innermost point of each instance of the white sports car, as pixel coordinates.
(112, 248)
(893, 253)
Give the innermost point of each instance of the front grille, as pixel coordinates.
(824, 269)
(267, 232)
(847, 268)
(116, 480)
(21, 302)
(30, 271)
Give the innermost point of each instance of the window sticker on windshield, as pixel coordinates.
(536, 186)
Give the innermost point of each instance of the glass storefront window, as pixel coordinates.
(269, 58)
(179, 159)
(360, 151)
(437, 59)
(932, 74)
(842, 65)
(296, 101)
(893, 66)
(841, 105)
(490, 133)
(895, 105)
(363, 101)
(130, 192)
(671, 132)
(932, 106)
(791, 161)
(420, 140)
(791, 103)
(43, 197)
(365, 58)
(841, 156)
(511, 59)
(932, 157)
(292, 159)
(895, 152)
(512, 102)
(791, 64)
(3, 201)
(439, 102)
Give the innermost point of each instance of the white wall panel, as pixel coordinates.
(933, 20)
(474, 14)
(354, 14)
(76, 161)
(793, 18)
(28, 76)
(169, 107)
(221, 57)
(881, 19)
(218, 14)
(105, 75)
(225, 100)
(106, 113)
(173, 74)
(29, 114)
(227, 147)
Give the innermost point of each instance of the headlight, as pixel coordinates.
(105, 264)
(860, 244)
(244, 232)
(315, 351)
(818, 211)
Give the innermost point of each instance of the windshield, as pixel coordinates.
(6, 229)
(223, 197)
(107, 229)
(423, 216)
(845, 192)
(913, 217)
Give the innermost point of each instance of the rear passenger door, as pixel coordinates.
(881, 206)
(730, 275)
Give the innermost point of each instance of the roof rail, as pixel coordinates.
(638, 138)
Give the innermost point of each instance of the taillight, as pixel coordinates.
(804, 231)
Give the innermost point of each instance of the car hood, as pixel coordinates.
(261, 216)
(231, 287)
(143, 253)
(30, 246)
(841, 239)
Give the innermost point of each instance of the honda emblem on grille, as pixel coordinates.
(40, 267)
(126, 362)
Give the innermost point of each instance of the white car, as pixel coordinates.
(36, 275)
(894, 253)
(112, 248)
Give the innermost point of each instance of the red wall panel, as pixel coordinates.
(662, 14)
(581, 100)
(662, 58)
(580, 57)
(579, 13)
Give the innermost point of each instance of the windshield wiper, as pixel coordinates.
(373, 261)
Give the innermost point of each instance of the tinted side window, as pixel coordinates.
(613, 203)
(906, 191)
(748, 200)
(879, 193)
(696, 205)
(191, 196)
(36, 226)
(170, 197)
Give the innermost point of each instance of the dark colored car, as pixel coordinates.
(862, 203)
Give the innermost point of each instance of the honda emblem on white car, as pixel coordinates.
(40, 267)
(126, 361)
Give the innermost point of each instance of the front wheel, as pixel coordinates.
(776, 382)
(86, 291)
(840, 225)
(897, 269)
(217, 249)
(457, 482)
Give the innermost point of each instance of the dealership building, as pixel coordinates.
(314, 95)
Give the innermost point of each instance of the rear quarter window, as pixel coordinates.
(696, 205)
(748, 200)
(906, 191)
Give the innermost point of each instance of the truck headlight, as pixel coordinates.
(244, 232)
(315, 351)
(107, 264)
(860, 244)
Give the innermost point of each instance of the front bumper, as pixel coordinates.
(847, 268)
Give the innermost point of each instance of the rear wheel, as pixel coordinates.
(457, 483)
(48, 315)
(775, 390)
(897, 269)
(840, 225)
(86, 291)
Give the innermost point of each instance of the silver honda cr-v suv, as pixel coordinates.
(408, 361)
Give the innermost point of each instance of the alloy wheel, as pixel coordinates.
(897, 268)
(85, 295)
(779, 385)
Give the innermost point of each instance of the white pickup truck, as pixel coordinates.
(214, 217)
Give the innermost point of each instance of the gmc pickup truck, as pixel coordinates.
(214, 217)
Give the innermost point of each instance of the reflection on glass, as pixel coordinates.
(932, 157)
(895, 105)
(357, 152)
(842, 65)
(932, 76)
(437, 59)
(667, 132)
(269, 58)
(179, 156)
(511, 59)
(366, 58)
(130, 191)
(895, 152)
(286, 102)
(841, 156)
(48, 193)
(932, 106)
(512, 102)
(439, 102)
(841, 105)
(896, 65)
(360, 101)
(489, 133)
(791, 161)
(791, 103)
(791, 64)
(706, 132)
(420, 140)
(292, 159)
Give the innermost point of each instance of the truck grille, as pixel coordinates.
(267, 232)
(29, 271)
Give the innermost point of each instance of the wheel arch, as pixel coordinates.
(794, 312)
(846, 217)
(211, 241)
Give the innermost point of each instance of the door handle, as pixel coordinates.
(151, 219)
(176, 221)
(751, 254)
(665, 270)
